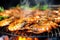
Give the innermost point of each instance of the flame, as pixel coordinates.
(35, 38)
(21, 38)
(28, 38)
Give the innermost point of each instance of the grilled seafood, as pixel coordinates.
(16, 25)
(6, 22)
(12, 12)
(47, 26)
(57, 20)
(35, 21)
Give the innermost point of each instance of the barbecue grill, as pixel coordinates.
(53, 33)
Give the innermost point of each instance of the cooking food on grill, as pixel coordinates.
(42, 27)
(35, 21)
(6, 22)
(57, 20)
(11, 12)
(16, 25)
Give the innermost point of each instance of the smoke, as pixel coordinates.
(11, 3)
(35, 2)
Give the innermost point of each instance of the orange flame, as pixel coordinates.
(29, 39)
(24, 38)
(35, 38)
(21, 38)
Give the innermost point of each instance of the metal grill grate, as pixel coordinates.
(53, 33)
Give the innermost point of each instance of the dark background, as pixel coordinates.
(11, 3)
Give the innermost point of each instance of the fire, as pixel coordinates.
(35, 38)
(26, 38)
(21, 38)
(29, 39)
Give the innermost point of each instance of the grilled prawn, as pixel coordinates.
(6, 21)
(35, 21)
(46, 27)
(57, 20)
(16, 25)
